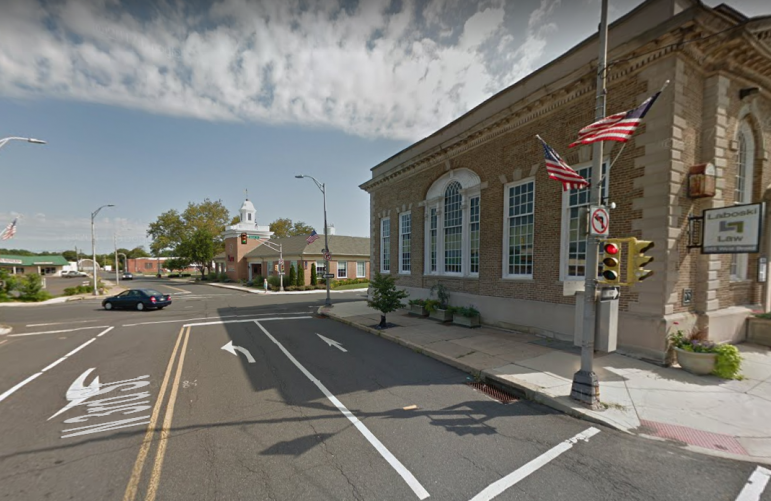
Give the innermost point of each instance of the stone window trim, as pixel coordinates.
(565, 221)
(405, 233)
(743, 191)
(471, 187)
(385, 246)
(505, 243)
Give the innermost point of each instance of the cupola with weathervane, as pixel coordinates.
(243, 237)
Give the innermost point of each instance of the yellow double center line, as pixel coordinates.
(155, 477)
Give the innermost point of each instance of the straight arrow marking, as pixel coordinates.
(330, 342)
(232, 349)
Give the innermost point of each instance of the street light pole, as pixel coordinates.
(28, 139)
(93, 244)
(586, 386)
(323, 188)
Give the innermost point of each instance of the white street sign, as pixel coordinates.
(599, 221)
(735, 229)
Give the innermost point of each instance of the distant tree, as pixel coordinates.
(313, 274)
(137, 252)
(70, 255)
(292, 275)
(177, 263)
(385, 296)
(235, 220)
(172, 228)
(284, 227)
(300, 275)
(17, 252)
(198, 249)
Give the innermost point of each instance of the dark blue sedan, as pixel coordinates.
(138, 299)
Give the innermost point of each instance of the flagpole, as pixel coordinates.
(586, 386)
(607, 173)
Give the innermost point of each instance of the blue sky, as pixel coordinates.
(149, 105)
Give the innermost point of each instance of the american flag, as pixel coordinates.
(9, 231)
(314, 236)
(559, 170)
(618, 127)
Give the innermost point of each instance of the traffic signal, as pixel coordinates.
(611, 261)
(243, 238)
(636, 271)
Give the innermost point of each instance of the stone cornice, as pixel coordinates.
(544, 102)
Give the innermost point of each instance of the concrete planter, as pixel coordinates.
(696, 363)
(759, 331)
(466, 321)
(441, 315)
(417, 309)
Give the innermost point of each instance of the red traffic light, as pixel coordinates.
(611, 249)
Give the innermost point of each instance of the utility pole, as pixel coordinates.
(586, 386)
(115, 248)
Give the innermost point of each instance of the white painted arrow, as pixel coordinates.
(232, 349)
(78, 392)
(332, 343)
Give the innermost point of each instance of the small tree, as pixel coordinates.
(300, 275)
(31, 288)
(292, 275)
(313, 274)
(385, 296)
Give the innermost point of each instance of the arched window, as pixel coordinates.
(745, 158)
(453, 225)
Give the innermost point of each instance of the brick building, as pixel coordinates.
(151, 265)
(350, 257)
(471, 205)
(246, 261)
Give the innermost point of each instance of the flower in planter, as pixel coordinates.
(431, 305)
(464, 311)
(728, 361)
(417, 302)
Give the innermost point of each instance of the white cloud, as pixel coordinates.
(371, 72)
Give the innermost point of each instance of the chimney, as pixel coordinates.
(330, 229)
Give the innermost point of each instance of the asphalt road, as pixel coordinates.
(294, 407)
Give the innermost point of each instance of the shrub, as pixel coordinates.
(431, 305)
(442, 294)
(300, 276)
(274, 281)
(313, 274)
(417, 302)
(728, 361)
(31, 288)
(292, 276)
(463, 311)
(385, 296)
(258, 281)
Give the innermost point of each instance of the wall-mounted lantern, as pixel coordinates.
(702, 180)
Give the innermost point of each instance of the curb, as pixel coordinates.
(521, 390)
(531, 394)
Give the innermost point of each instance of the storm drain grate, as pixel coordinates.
(494, 393)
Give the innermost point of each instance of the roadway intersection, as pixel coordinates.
(231, 395)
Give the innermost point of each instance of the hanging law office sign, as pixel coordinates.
(733, 230)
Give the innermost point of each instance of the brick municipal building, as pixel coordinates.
(471, 206)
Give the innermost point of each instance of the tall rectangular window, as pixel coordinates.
(342, 269)
(474, 218)
(432, 237)
(361, 269)
(453, 229)
(321, 267)
(385, 245)
(520, 228)
(405, 240)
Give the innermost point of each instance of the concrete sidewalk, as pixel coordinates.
(262, 291)
(703, 413)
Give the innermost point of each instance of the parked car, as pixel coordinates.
(137, 299)
(73, 274)
(128, 276)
